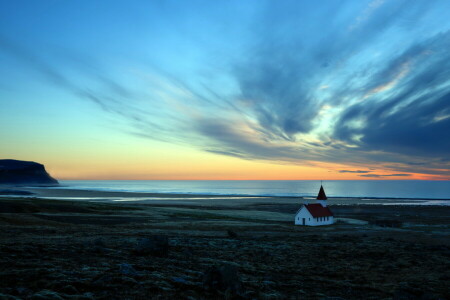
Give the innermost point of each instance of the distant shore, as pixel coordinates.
(204, 199)
(300, 189)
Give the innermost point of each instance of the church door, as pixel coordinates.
(303, 219)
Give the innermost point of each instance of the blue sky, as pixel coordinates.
(358, 83)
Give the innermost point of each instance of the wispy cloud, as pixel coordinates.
(385, 175)
(292, 92)
(366, 13)
(354, 171)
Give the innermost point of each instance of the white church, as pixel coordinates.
(315, 214)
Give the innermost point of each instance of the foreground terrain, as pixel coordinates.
(54, 249)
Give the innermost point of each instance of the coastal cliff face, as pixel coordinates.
(17, 172)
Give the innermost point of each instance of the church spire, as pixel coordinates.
(321, 195)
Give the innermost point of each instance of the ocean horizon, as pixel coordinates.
(408, 189)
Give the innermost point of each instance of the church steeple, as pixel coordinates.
(321, 195)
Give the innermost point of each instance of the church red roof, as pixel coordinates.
(317, 210)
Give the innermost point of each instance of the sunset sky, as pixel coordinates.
(227, 89)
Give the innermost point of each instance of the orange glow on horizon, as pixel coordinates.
(148, 160)
(223, 168)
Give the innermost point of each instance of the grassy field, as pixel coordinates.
(87, 250)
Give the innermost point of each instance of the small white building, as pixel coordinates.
(315, 214)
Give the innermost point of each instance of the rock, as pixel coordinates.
(97, 246)
(8, 297)
(104, 280)
(222, 278)
(127, 270)
(179, 280)
(232, 234)
(85, 269)
(157, 245)
(188, 253)
(69, 289)
(128, 281)
(23, 291)
(46, 295)
(407, 292)
(268, 282)
(98, 242)
(85, 296)
(19, 172)
(387, 223)
(100, 250)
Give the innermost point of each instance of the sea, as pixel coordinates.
(392, 189)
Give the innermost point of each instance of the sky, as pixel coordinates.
(229, 90)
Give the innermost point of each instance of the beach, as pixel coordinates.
(77, 244)
(74, 194)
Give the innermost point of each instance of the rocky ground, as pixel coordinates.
(54, 249)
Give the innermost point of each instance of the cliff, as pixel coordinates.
(19, 172)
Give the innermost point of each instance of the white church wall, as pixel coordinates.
(303, 213)
(310, 220)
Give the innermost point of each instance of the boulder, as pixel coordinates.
(69, 289)
(156, 245)
(222, 278)
(231, 234)
(127, 270)
(179, 280)
(17, 172)
(46, 295)
(8, 297)
(408, 292)
(387, 223)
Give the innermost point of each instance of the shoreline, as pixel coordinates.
(204, 199)
(368, 190)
